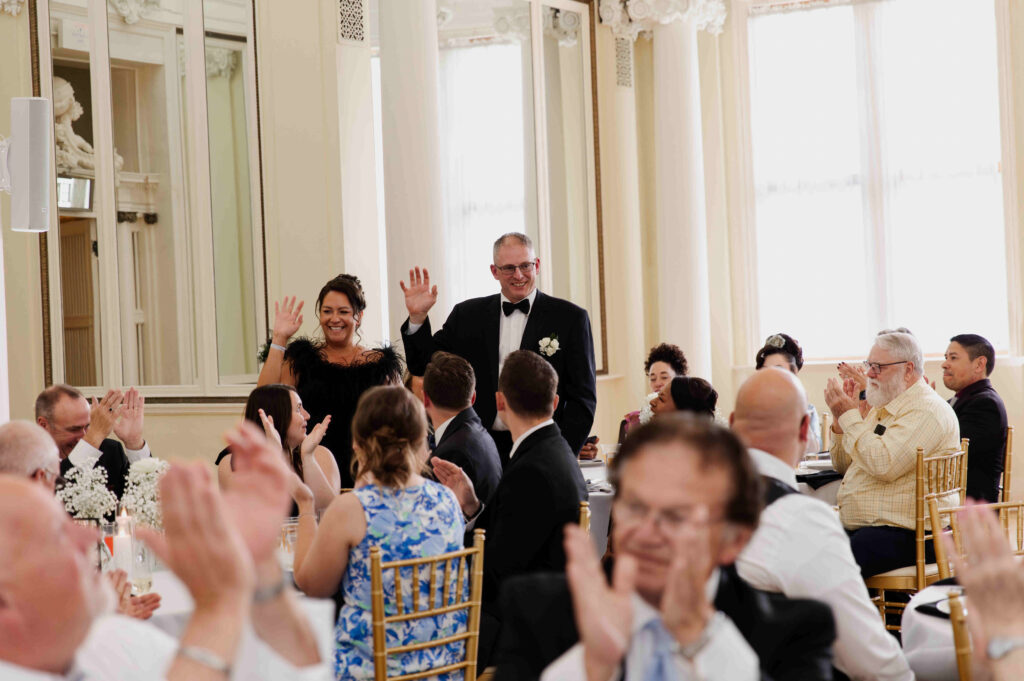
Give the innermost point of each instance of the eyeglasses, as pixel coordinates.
(630, 513)
(509, 270)
(877, 368)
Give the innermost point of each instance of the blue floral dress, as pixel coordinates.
(408, 523)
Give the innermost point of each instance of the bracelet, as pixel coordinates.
(268, 593)
(691, 651)
(275, 346)
(206, 658)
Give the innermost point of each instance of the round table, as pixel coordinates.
(928, 640)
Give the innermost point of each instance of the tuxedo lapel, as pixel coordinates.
(534, 324)
(492, 328)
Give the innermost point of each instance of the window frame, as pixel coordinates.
(740, 176)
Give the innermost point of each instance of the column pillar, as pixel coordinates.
(412, 160)
(684, 304)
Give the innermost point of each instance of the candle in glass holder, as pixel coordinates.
(123, 544)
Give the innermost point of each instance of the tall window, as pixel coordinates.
(876, 148)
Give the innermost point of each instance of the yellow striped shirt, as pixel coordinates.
(879, 470)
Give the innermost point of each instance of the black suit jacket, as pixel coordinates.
(539, 493)
(114, 460)
(467, 444)
(982, 419)
(471, 331)
(792, 638)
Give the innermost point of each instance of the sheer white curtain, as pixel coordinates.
(484, 158)
(876, 145)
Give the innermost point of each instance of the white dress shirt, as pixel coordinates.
(519, 440)
(726, 657)
(123, 649)
(84, 455)
(801, 550)
(439, 430)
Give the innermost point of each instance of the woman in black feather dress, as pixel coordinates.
(330, 374)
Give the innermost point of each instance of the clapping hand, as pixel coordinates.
(103, 414)
(139, 607)
(287, 320)
(455, 479)
(604, 614)
(313, 438)
(269, 429)
(855, 373)
(838, 401)
(991, 577)
(685, 610)
(419, 296)
(128, 428)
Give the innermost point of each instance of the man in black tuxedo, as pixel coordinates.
(82, 431)
(459, 436)
(539, 493)
(687, 500)
(980, 411)
(485, 330)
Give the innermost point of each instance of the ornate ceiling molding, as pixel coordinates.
(628, 18)
(514, 24)
(221, 62)
(12, 7)
(133, 10)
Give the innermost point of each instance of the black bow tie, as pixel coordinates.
(523, 306)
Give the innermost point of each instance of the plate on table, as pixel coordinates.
(943, 605)
(590, 463)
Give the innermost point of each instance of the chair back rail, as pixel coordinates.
(945, 521)
(1007, 466)
(463, 597)
(961, 636)
(585, 516)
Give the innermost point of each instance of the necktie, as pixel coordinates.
(661, 667)
(523, 306)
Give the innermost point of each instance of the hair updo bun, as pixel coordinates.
(781, 344)
(388, 429)
(349, 286)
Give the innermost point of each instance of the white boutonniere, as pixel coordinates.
(549, 345)
(646, 413)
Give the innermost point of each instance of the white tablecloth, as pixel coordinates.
(827, 493)
(600, 504)
(928, 640)
(176, 608)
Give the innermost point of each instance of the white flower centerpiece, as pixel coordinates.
(142, 493)
(85, 494)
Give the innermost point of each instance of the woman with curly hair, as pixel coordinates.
(333, 372)
(784, 352)
(664, 362)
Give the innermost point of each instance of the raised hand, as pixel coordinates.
(837, 399)
(269, 429)
(128, 428)
(419, 296)
(604, 615)
(103, 414)
(287, 319)
(313, 438)
(855, 373)
(299, 491)
(685, 609)
(455, 479)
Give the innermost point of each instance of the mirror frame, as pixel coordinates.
(32, 9)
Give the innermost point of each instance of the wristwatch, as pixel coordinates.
(1001, 646)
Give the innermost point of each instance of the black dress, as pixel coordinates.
(327, 388)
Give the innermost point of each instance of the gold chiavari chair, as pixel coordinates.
(945, 521)
(1004, 494)
(944, 478)
(585, 516)
(961, 637)
(454, 596)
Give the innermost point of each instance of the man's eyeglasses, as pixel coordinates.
(509, 270)
(628, 513)
(877, 368)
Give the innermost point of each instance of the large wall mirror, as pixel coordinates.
(156, 247)
(518, 150)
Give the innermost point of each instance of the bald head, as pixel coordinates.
(28, 451)
(771, 414)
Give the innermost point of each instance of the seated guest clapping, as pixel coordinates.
(687, 499)
(979, 411)
(799, 548)
(686, 393)
(540, 490)
(877, 453)
(277, 408)
(53, 604)
(393, 508)
(28, 451)
(82, 431)
(459, 435)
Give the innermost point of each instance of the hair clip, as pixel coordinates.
(776, 341)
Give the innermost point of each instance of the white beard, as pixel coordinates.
(881, 393)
